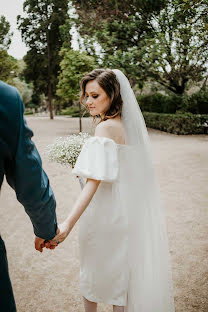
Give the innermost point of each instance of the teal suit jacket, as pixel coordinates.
(20, 162)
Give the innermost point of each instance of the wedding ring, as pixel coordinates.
(57, 242)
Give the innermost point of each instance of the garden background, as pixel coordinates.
(162, 47)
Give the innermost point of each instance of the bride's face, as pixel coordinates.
(97, 100)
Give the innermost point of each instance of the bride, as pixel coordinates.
(124, 256)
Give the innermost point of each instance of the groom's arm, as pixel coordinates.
(25, 175)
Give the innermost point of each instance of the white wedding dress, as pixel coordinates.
(103, 238)
(124, 250)
(106, 233)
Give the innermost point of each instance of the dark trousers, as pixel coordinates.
(7, 303)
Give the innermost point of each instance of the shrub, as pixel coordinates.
(196, 103)
(159, 103)
(31, 106)
(73, 111)
(186, 123)
(28, 112)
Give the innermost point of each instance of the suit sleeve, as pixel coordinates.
(30, 182)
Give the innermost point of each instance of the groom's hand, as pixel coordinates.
(52, 244)
(39, 243)
(64, 230)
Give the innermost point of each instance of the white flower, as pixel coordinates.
(66, 150)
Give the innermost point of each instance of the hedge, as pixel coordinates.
(196, 103)
(73, 111)
(28, 113)
(160, 103)
(177, 123)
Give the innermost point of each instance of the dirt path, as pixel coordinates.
(49, 282)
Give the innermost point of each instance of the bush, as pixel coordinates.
(196, 103)
(28, 112)
(30, 106)
(186, 123)
(73, 111)
(159, 103)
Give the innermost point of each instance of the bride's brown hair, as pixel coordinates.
(107, 80)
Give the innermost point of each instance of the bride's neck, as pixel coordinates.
(115, 118)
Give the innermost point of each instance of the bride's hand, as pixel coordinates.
(65, 229)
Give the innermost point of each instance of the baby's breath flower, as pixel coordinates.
(66, 150)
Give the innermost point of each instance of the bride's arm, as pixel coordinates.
(85, 197)
(78, 208)
(83, 201)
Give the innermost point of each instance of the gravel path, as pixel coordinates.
(49, 282)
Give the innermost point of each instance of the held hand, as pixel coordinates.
(61, 236)
(39, 243)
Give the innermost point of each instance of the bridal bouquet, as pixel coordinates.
(66, 150)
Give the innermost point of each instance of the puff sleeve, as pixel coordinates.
(98, 160)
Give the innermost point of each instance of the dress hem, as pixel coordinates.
(111, 302)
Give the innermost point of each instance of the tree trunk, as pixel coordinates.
(204, 85)
(80, 118)
(50, 105)
(50, 95)
(179, 90)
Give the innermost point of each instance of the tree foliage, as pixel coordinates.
(162, 40)
(8, 66)
(178, 51)
(118, 27)
(41, 33)
(5, 34)
(7, 63)
(25, 90)
(74, 66)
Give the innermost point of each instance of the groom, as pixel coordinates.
(20, 162)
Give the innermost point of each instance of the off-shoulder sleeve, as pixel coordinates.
(98, 160)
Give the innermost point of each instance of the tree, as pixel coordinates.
(165, 41)
(117, 27)
(178, 51)
(25, 90)
(74, 66)
(41, 33)
(7, 62)
(8, 67)
(5, 34)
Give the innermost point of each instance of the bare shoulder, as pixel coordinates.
(111, 129)
(103, 129)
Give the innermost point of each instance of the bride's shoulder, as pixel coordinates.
(103, 129)
(112, 129)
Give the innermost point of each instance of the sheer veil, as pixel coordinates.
(150, 280)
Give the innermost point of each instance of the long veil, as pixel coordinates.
(150, 287)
